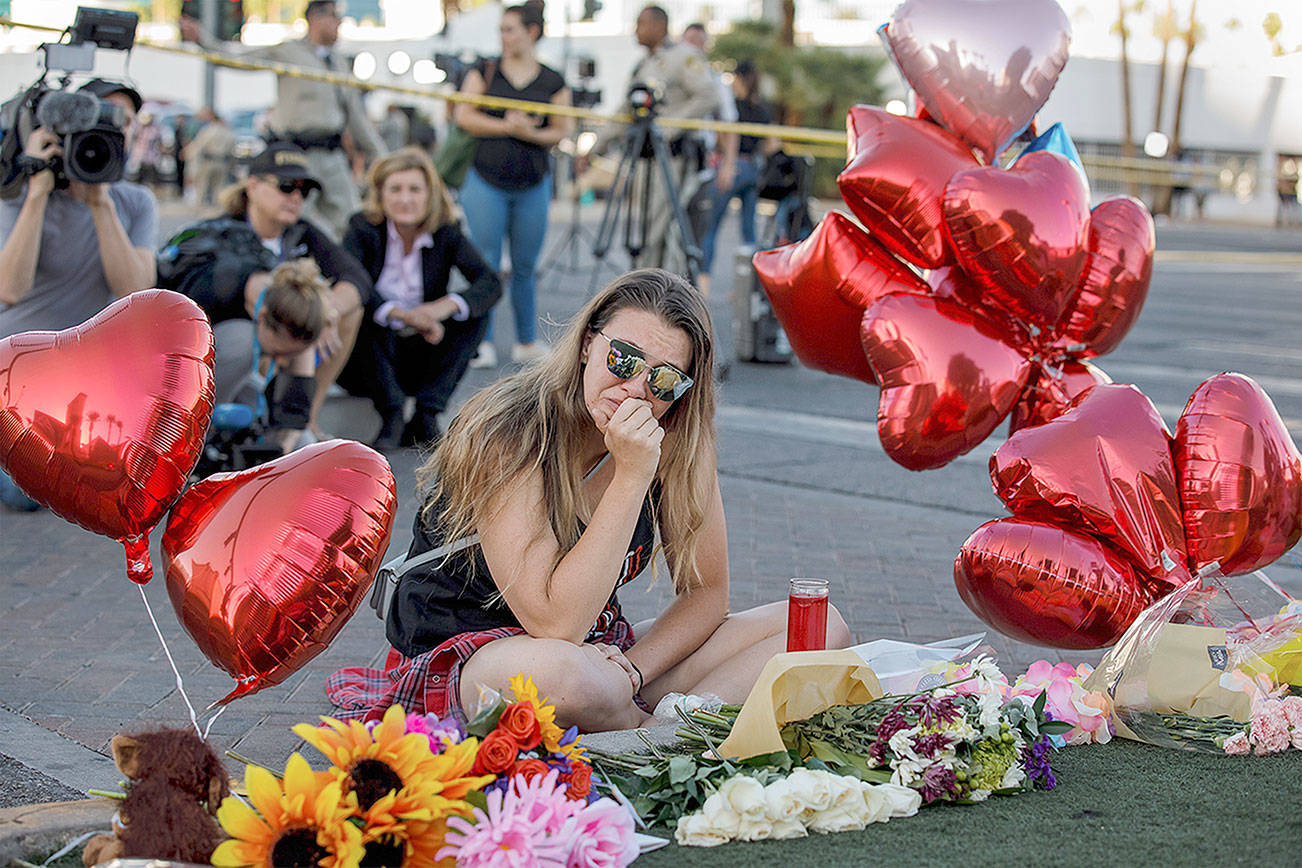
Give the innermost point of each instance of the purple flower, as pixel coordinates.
(934, 711)
(891, 724)
(931, 744)
(1035, 762)
(937, 782)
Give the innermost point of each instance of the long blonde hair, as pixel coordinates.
(535, 421)
(439, 210)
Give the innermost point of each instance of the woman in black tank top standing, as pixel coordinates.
(551, 489)
(508, 188)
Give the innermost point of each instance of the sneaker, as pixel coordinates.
(522, 353)
(486, 357)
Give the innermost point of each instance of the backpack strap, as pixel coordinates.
(386, 580)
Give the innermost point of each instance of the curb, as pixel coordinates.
(30, 830)
(68, 762)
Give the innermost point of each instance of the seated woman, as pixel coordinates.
(547, 493)
(420, 339)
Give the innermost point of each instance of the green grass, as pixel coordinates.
(1120, 803)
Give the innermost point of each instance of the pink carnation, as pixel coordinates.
(601, 836)
(1292, 707)
(1269, 731)
(1237, 743)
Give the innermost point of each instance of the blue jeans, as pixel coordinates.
(744, 187)
(520, 216)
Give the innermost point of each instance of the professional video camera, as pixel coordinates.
(93, 143)
(643, 100)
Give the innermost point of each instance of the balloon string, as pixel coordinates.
(208, 726)
(179, 686)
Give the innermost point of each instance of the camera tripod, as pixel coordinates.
(564, 253)
(645, 147)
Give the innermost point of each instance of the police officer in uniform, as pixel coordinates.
(682, 77)
(314, 115)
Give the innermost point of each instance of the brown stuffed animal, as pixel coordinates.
(176, 785)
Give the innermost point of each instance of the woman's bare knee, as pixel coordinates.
(838, 632)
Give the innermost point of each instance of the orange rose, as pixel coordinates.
(520, 722)
(579, 781)
(497, 753)
(530, 769)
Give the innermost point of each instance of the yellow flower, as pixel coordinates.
(401, 789)
(302, 823)
(525, 691)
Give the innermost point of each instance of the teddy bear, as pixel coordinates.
(175, 784)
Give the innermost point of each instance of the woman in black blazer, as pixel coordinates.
(420, 338)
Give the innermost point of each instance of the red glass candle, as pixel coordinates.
(807, 615)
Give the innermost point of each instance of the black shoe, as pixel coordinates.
(390, 436)
(423, 430)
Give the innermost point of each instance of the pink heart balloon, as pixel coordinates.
(1103, 467)
(1043, 584)
(948, 378)
(1240, 476)
(820, 286)
(1020, 234)
(983, 68)
(895, 179)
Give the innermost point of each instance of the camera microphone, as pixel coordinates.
(63, 112)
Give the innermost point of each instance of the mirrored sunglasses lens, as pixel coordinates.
(620, 363)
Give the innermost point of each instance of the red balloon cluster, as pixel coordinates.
(265, 566)
(103, 422)
(1110, 512)
(1024, 283)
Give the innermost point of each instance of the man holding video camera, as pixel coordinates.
(68, 247)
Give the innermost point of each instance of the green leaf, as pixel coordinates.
(681, 768)
(1038, 707)
(477, 799)
(1055, 727)
(486, 721)
(647, 772)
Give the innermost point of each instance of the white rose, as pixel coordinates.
(755, 828)
(791, 828)
(845, 794)
(903, 801)
(720, 815)
(783, 802)
(836, 820)
(694, 830)
(875, 803)
(810, 788)
(745, 795)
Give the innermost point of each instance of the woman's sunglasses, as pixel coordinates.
(294, 185)
(627, 361)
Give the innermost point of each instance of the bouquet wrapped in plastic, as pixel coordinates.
(1197, 667)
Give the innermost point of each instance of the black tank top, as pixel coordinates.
(505, 161)
(457, 595)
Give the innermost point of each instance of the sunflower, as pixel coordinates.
(401, 788)
(525, 691)
(302, 824)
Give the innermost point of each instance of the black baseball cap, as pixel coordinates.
(283, 160)
(102, 87)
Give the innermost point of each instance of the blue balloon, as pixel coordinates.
(1056, 140)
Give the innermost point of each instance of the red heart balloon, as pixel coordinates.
(265, 566)
(1240, 476)
(1114, 284)
(1051, 390)
(895, 180)
(952, 283)
(947, 377)
(1104, 467)
(820, 286)
(103, 422)
(983, 69)
(1042, 584)
(1020, 234)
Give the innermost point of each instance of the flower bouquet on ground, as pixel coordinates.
(412, 790)
(1210, 668)
(972, 736)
